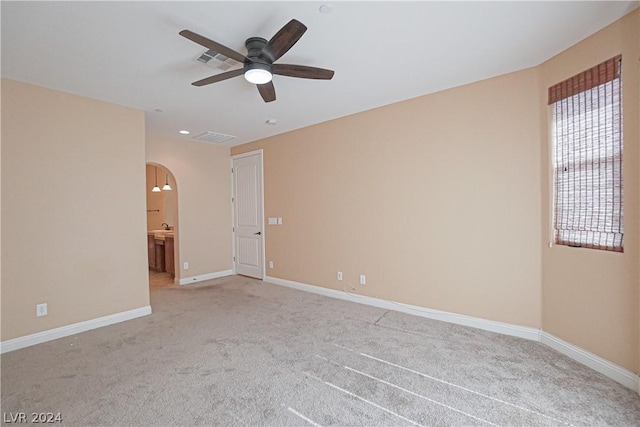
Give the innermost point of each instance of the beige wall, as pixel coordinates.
(73, 203)
(590, 297)
(436, 200)
(202, 175)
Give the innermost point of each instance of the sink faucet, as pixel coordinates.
(165, 225)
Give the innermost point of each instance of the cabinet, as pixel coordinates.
(155, 253)
(151, 250)
(169, 264)
(159, 255)
(160, 252)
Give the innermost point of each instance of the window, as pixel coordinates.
(587, 139)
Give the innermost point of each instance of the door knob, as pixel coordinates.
(258, 233)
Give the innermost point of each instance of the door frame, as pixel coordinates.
(262, 254)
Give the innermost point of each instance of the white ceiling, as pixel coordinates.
(130, 53)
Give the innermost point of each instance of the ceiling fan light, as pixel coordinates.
(257, 76)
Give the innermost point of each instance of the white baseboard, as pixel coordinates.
(208, 276)
(444, 316)
(597, 363)
(76, 328)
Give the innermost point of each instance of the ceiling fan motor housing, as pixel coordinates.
(255, 46)
(257, 61)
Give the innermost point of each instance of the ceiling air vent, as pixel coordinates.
(213, 59)
(214, 137)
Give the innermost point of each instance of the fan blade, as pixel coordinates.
(283, 40)
(210, 44)
(219, 77)
(267, 91)
(302, 71)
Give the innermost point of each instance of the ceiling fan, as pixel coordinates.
(259, 64)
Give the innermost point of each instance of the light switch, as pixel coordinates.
(273, 221)
(279, 221)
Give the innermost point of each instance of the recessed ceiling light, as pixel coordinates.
(325, 8)
(271, 122)
(185, 132)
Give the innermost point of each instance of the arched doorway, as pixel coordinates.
(162, 226)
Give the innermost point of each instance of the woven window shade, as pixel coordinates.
(587, 134)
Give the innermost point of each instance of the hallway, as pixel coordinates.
(159, 280)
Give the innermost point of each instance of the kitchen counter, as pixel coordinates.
(160, 234)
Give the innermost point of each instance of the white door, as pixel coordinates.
(247, 215)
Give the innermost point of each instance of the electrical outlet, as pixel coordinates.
(41, 309)
(339, 275)
(270, 264)
(185, 265)
(363, 279)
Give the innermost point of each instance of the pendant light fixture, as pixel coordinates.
(156, 189)
(166, 187)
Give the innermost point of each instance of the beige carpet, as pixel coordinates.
(236, 351)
